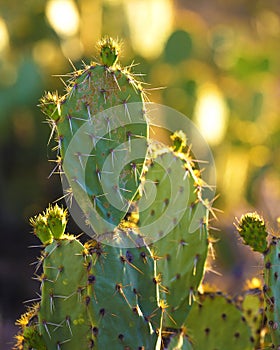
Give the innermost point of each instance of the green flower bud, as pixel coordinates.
(109, 51)
(41, 229)
(251, 228)
(57, 219)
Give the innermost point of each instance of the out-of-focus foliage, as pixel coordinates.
(218, 62)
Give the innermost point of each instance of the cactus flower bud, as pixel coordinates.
(251, 228)
(41, 229)
(56, 219)
(109, 51)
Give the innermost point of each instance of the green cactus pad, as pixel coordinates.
(215, 323)
(178, 218)
(62, 317)
(253, 310)
(271, 289)
(251, 228)
(96, 123)
(125, 296)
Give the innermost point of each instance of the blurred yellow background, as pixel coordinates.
(217, 62)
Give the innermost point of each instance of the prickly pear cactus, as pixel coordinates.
(93, 296)
(93, 136)
(137, 291)
(253, 230)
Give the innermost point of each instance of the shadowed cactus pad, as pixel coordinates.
(216, 323)
(271, 289)
(252, 304)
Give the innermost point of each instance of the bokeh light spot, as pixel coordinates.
(150, 23)
(211, 113)
(4, 35)
(63, 16)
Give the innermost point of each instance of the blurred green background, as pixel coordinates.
(219, 62)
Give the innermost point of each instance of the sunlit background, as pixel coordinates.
(219, 64)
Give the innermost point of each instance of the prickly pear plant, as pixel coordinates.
(92, 295)
(135, 284)
(254, 233)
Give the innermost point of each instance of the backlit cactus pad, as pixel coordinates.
(101, 130)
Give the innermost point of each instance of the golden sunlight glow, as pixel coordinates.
(4, 35)
(211, 113)
(44, 52)
(150, 23)
(63, 16)
(72, 48)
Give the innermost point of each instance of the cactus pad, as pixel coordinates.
(215, 323)
(93, 137)
(271, 290)
(178, 218)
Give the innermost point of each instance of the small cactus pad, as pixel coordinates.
(62, 317)
(271, 289)
(215, 323)
(251, 228)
